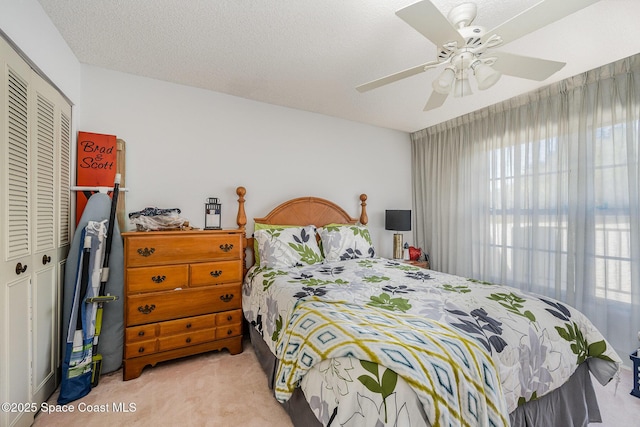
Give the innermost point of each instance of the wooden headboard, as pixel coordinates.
(302, 211)
(312, 210)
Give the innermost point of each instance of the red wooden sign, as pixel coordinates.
(96, 166)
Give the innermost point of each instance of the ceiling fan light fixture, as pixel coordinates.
(486, 76)
(465, 48)
(461, 88)
(444, 82)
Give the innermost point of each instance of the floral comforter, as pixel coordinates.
(535, 343)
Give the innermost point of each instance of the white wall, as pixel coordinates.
(186, 144)
(27, 26)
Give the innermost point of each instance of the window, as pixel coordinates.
(531, 205)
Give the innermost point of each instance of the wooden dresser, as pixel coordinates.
(183, 295)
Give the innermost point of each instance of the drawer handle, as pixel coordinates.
(229, 318)
(146, 251)
(216, 273)
(20, 268)
(147, 308)
(229, 332)
(158, 279)
(188, 325)
(141, 350)
(226, 247)
(188, 340)
(226, 297)
(141, 333)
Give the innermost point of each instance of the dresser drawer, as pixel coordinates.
(228, 331)
(213, 273)
(141, 348)
(182, 326)
(169, 305)
(226, 297)
(168, 248)
(183, 340)
(140, 333)
(229, 317)
(159, 278)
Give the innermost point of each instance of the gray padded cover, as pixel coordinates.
(111, 339)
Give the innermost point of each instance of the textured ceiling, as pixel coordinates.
(311, 54)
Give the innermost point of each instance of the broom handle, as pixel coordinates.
(104, 275)
(84, 279)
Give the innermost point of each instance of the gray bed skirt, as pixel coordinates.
(573, 404)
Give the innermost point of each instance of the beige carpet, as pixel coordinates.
(212, 389)
(217, 389)
(618, 409)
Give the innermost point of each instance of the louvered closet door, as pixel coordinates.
(50, 135)
(15, 294)
(34, 234)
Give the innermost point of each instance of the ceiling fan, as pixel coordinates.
(467, 50)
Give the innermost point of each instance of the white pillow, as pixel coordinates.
(343, 241)
(288, 247)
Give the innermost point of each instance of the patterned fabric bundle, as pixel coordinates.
(454, 377)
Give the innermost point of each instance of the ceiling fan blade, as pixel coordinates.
(427, 19)
(435, 100)
(526, 67)
(536, 17)
(397, 76)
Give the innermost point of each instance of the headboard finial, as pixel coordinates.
(241, 219)
(364, 219)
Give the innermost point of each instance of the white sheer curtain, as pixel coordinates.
(541, 192)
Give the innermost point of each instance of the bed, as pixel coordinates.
(348, 338)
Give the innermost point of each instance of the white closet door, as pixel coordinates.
(16, 266)
(34, 134)
(47, 135)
